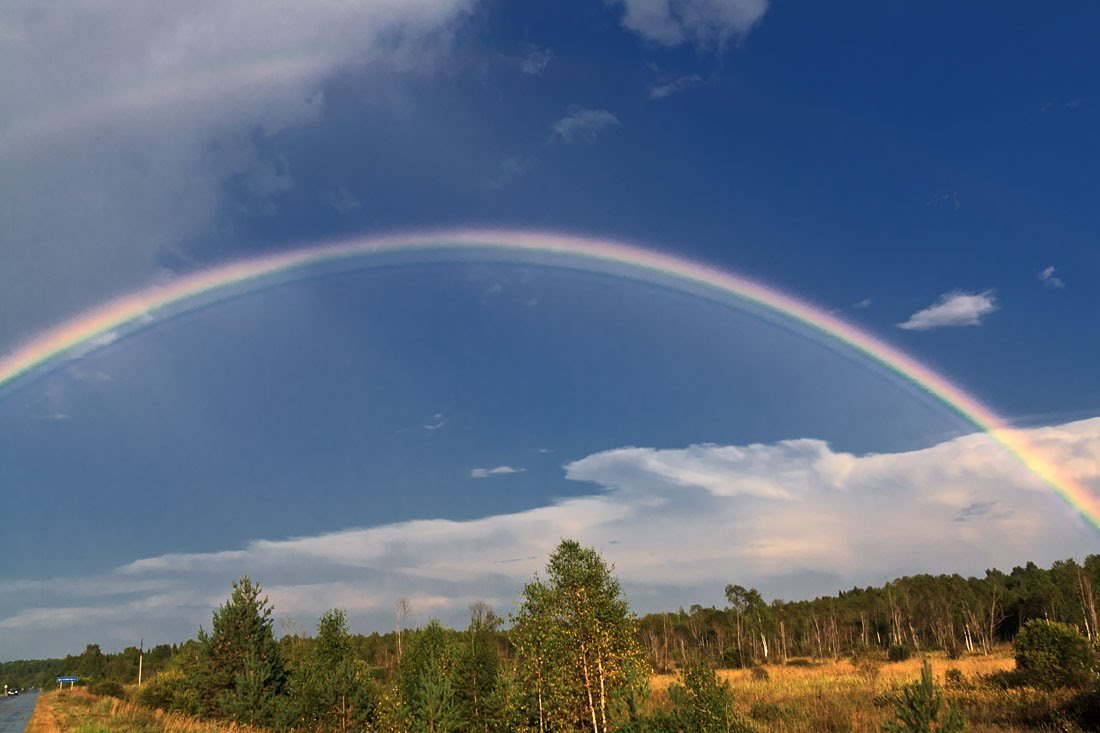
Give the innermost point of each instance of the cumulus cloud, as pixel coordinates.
(701, 22)
(1048, 278)
(498, 471)
(583, 125)
(953, 309)
(115, 144)
(794, 518)
(660, 91)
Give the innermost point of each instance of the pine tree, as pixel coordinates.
(920, 709)
(476, 672)
(241, 670)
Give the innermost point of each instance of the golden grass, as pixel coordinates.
(76, 711)
(842, 697)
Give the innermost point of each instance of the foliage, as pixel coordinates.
(240, 671)
(703, 704)
(898, 653)
(576, 641)
(1050, 654)
(476, 673)
(920, 709)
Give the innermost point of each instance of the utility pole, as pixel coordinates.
(141, 658)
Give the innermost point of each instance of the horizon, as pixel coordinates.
(812, 254)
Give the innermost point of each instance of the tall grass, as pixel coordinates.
(857, 697)
(76, 711)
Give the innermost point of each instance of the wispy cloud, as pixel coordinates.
(438, 421)
(701, 22)
(862, 305)
(1048, 278)
(953, 309)
(536, 60)
(498, 471)
(583, 125)
(660, 91)
(949, 199)
(796, 518)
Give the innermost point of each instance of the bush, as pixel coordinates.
(704, 704)
(169, 690)
(760, 674)
(108, 688)
(920, 709)
(1050, 655)
(954, 678)
(898, 653)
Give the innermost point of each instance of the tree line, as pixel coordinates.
(908, 615)
(572, 657)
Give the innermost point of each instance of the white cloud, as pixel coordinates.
(953, 309)
(498, 471)
(661, 91)
(1048, 278)
(114, 144)
(536, 61)
(583, 125)
(437, 422)
(794, 518)
(863, 304)
(701, 22)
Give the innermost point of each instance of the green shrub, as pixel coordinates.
(169, 690)
(108, 688)
(1050, 655)
(898, 653)
(703, 704)
(919, 708)
(954, 678)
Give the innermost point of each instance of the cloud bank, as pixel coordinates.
(121, 121)
(794, 518)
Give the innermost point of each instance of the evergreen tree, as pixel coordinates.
(424, 678)
(920, 709)
(476, 672)
(241, 671)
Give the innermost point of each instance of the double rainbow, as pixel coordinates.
(639, 263)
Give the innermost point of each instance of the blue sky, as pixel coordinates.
(927, 173)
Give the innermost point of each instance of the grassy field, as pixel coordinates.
(76, 711)
(843, 697)
(815, 697)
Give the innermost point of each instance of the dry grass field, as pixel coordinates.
(76, 711)
(843, 697)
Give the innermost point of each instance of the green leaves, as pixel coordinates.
(576, 640)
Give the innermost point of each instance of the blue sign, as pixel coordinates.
(67, 679)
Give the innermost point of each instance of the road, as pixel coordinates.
(16, 711)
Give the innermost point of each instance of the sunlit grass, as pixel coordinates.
(846, 697)
(76, 711)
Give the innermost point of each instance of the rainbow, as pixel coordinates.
(96, 326)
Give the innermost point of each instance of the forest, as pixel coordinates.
(573, 657)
